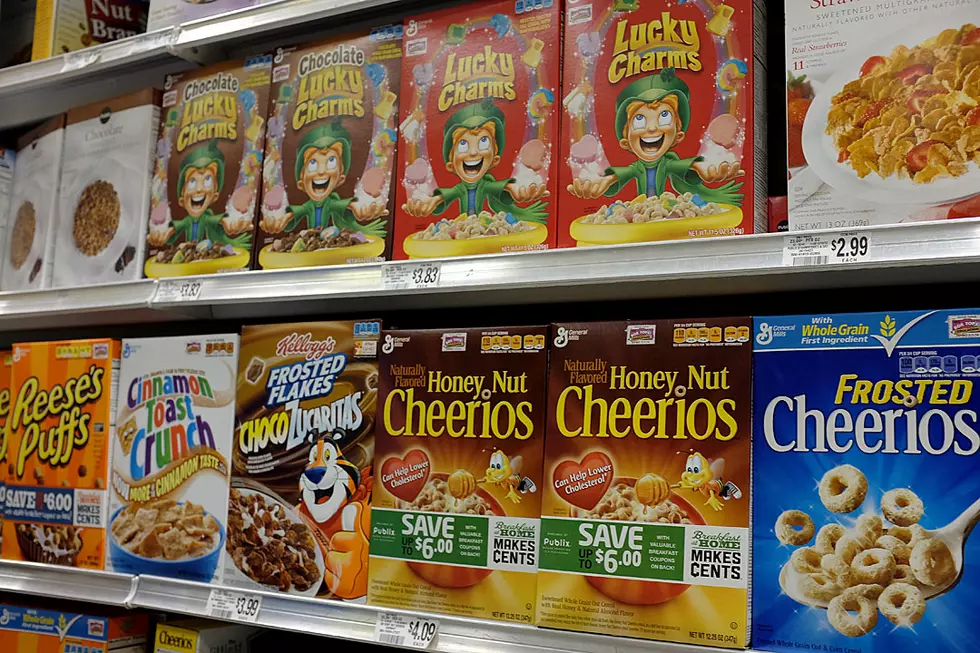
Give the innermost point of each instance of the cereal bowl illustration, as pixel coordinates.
(166, 538)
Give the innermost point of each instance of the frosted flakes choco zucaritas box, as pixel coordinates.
(477, 147)
(62, 414)
(660, 122)
(459, 442)
(330, 152)
(645, 506)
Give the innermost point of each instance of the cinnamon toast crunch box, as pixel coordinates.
(660, 122)
(477, 159)
(62, 414)
(454, 524)
(645, 506)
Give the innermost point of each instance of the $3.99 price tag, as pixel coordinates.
(237, 606)
(403, 276)
(403, 630)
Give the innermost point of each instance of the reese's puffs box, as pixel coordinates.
(62, 413)
(661, 116)
(477, 156)
(645, 506)
(6, 361)
(454, 519)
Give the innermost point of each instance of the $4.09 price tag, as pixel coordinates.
(187, 290)
(237, 606)
(827, 249)
(404, 276)
(402, 630)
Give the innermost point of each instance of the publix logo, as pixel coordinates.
(702, 540)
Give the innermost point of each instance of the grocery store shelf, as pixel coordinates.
(899, 255)
(63, 582)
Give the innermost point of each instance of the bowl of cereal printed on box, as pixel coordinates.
(166, 538)
(644, 219)
(483, 233)
(320, 246)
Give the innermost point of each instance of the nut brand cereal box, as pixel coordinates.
(62, 414)
(208, 169)
(460, 440)
(100, 630)
(330, 153)
(883, 117)
(6, 362)
(662, 115)
(476, 173)
(645, 515)
(171, 456)
(868, 463)
(299, 514)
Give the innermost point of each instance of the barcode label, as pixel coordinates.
(396, 640)
(810, 260)
(221, 614)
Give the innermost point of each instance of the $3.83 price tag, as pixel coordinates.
(187, 290)
(237, 606)
(402, 630)
(826, 249)
(403, 276)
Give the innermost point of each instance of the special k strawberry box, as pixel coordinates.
(62, 414)
(477, 155)
(645, 496)
(661, 125)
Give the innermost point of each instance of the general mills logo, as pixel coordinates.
(764, 337)
(5, 617)
(280, 53)
(561, 339)
(412, 29)
(168, 82)
(389, 345)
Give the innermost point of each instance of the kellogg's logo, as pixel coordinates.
(296, 344)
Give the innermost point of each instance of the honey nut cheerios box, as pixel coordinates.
(62, 415)
(645, 506)
(299, 514)
(171, 456)
(868, 464)
(883, 112)
(477, 153)
(208, 172)
(662, 121)
(6, 363)
(459, 442)
(327, 193)
(72, 628)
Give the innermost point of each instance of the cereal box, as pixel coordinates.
(62, 414)
(6, 362)
(201, 636)
(28, 252)
(299, 516)
(662, 117)
(105, 190)
(645, 515)
(171, 456)
(476, 171)
(330, 152)
(868, 465)
(459, 449)
(208, 169)
(883, 117)
(7, 157)
(97, 630)
(65, 25)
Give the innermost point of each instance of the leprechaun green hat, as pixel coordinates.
(321, 137)
(471, 117)
(651, 89)
(202, 157)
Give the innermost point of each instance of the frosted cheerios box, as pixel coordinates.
(883, 112)
(865, 469)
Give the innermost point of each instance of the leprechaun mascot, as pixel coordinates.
(322, 161)
(472, 141)
(652, 117)
(201, 180)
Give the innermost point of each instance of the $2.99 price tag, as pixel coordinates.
(404, 276)
(826, 249)
(403, 630)
(237, 606)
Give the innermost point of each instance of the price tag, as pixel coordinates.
(187, 290)
(827, 249)
(402, 630)
(401, 276)
(238, 606)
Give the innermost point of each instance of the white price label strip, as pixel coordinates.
(827, 249)
(187, 290)
(238, 606)
(403, 276)
(401, 630)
